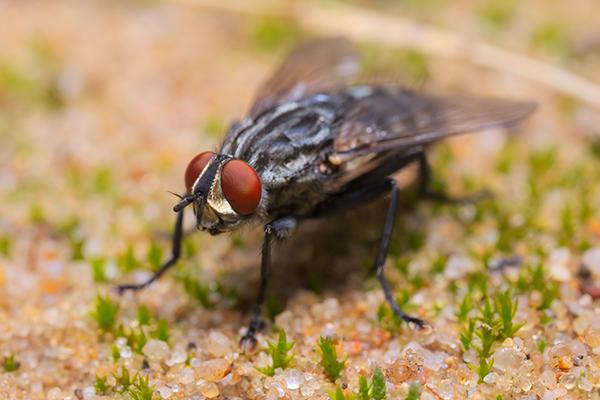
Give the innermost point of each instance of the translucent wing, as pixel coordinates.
(315, 66)
(389, 118)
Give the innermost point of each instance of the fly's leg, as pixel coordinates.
(382, 254)
(175, 253)
(426, 191)
(278, 229)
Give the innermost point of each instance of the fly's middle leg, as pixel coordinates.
(382, 254)
(279, 229)
(426, 191)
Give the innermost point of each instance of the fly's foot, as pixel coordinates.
(248, 343)
(417, 322)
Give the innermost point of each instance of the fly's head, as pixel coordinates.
(223, 191)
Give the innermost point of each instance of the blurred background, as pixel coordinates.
(103, 103)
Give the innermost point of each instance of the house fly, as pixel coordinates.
(313, 142)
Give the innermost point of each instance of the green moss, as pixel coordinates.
(413, 64)
(214, 126)
(162, 330)
(498, 13)
(378, 386)
(329, 361)
(115, 353)
(103, 181)
(272, 33)
(101, 386)
(551, 37)
(279, 353)
(10, 363)
(199, 292)
(136, 337)
(154, 256)
(144, 316)
(414, 392)
(141, 389)
(375, 390)
(127, 261)
(105, 313)
(5, 245)
(98, 265)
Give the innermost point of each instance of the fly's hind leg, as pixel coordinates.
(426, 191)
(382, 254)
(278, 229)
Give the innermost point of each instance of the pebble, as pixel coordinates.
(458, 266)
(54, 394)
(293, 378)
(591, 337)
(213, 370)
(558, 264)
(217, 344)
(209, 390)
(310, 386)
(178, 356)
(89, 393)
(548, 379)
(156, 350)
(591, 259)
(507, 359)
(186, 376)
(164, 391)
(491, 378)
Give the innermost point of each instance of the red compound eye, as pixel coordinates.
(241, 186)
(195, 167)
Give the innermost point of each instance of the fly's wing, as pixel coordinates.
(315, 66)
(393, 119)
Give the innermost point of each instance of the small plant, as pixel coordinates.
(533, 278)
(105, 313)
(199, 292)
(339, 395)
(161, 332)
(414, 392)
(115, 353)
(123, 380)
(5, 245)
(333, 368)
(140, 389)
(144, 316)
(127, 261)
(98, 265)
(376, 390)
(155, 256)
(101, 386)
(279, 354)
(135, 336)
(10, 363)
(507, 309)
(493, 322)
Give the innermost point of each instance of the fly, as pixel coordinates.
(314, 143)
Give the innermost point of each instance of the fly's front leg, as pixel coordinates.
(175, 253)
(382, 254)
(278, 229)
(426, 191)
